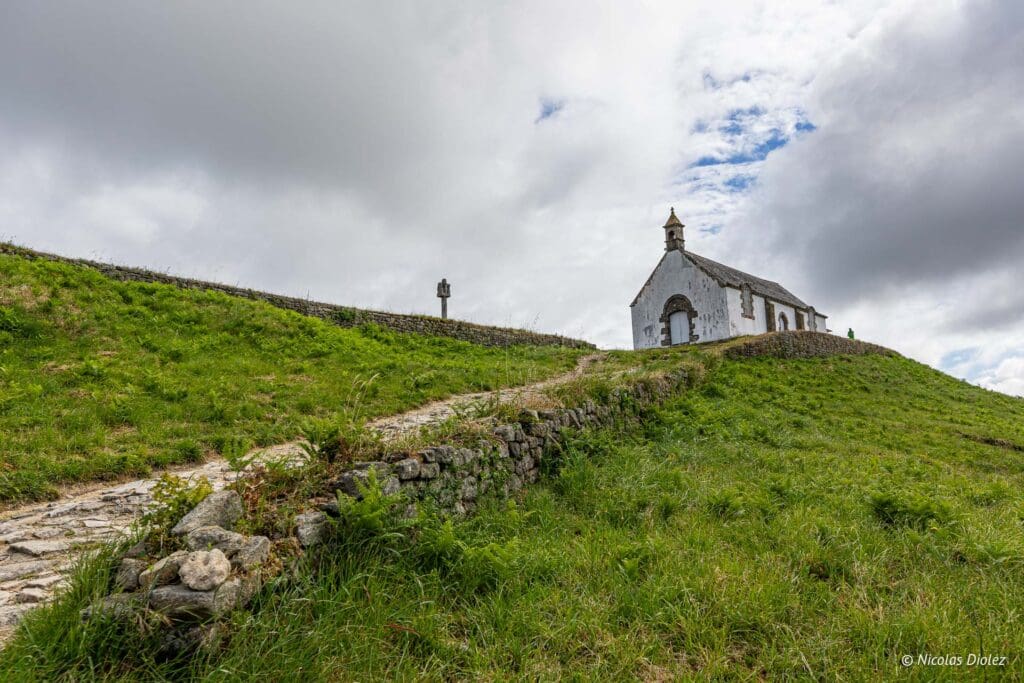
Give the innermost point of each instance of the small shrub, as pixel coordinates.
(486, 566)
(91, 370)
(634, 561)
(19, 324)
(666, 507)
(374, 521)
(344, 316)
(825, 566)
(439, 546)
(173, 498)
(234, 449)
(908, 510)
(423, 380)
(188, 451)
(726, 504)
(377, 333)
(341, 439)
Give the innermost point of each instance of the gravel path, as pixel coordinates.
(40, 542)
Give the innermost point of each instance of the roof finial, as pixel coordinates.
(673, 219)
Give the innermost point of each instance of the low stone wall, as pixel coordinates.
(803, 344)
(222, 570)
(453, 477)
(343, 316)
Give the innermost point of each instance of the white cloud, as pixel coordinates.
(1007, 377)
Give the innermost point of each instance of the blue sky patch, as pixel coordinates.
(957, 357)
(706, 161)
(738, 183)
(776, 139)
(548, 108)
(758, 152)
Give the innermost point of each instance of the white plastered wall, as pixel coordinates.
(738, 325)
(677, 275)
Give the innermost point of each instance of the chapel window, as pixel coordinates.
(747, 302)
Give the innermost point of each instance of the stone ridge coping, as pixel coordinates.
(343, 316)
(451, 477)
(802, 344)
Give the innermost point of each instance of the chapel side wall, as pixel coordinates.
(790, 315)
(676, 275)
(739, 325)
(822, 323)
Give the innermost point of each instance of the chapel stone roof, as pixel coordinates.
(730, 277)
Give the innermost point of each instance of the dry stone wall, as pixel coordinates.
(803, 344)
(221, 570)
(343, 316)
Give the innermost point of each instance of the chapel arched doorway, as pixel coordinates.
(678, 318)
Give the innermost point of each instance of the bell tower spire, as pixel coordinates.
(674, 232)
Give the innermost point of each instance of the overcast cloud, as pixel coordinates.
(869, 155)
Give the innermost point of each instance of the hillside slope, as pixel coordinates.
(813, 518)
(100, 378)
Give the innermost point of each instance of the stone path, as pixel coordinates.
(40, 542)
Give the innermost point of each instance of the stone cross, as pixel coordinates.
(444, 290)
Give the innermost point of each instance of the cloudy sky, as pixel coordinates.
(867, 154)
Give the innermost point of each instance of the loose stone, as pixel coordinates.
(44, 581)
(127, 578)
(96, 523)
(183, 603)
(429, 470)
(163, 571)
(408, 468)
(39, 548)
(31, 595)
(310, 528)
(17, 570)
(9, 616)
(204, 570)
(505, 432)
(222, 509)
(255, 551)
(49, 532)
(209, 537)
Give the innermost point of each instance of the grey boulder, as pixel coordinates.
(162, 571)
(222, 509)
(310, 528)
(254, 552)
(184, 604)
(210, 537)
(204, 570)
(127, 578)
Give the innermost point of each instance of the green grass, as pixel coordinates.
(100, 379)
(811, 519)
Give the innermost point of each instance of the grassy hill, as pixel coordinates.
(100, 378)
(814, 518)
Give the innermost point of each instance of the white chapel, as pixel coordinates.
(689, 298)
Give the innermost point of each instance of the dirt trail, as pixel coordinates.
(39, 542)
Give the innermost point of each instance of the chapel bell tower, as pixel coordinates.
(673, 232)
